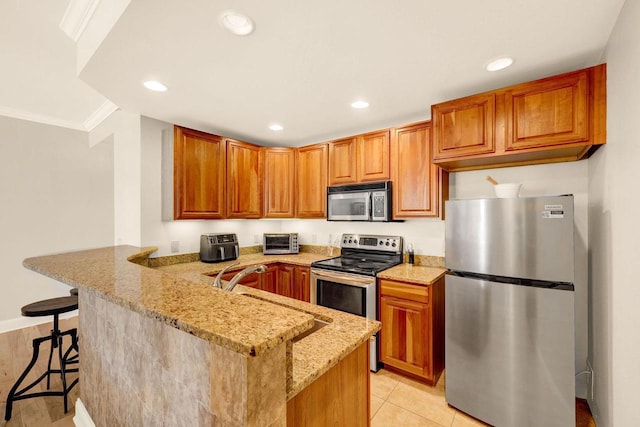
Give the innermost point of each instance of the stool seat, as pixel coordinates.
(50, 307)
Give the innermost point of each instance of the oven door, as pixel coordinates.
(350, 206)
(350, 293)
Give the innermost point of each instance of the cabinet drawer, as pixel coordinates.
(404, 290)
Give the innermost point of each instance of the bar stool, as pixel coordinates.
(48, 307)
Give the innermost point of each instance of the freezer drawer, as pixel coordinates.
(510, 352)
(519, 237)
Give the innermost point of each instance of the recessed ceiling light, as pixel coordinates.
(238, 23)
(499, 64)
(360, 104)
(155, 86)
(276, 127)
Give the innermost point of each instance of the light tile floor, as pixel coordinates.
(400, 401)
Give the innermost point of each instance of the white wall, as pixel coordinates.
(614, 211)
(123, 129)
(547, 180)
(56, 195)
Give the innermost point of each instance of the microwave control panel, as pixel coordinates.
(372, 242)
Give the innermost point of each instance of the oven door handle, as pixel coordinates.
(351, 280)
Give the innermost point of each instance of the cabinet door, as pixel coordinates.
(269, 278)
(419, 187)
(198, 175)
(279, 173)
(244, 180)
(405, 341)
(373, 157)
(464, 127)
(301, 290)
(342, 161)
(548, 112)
(251, 281)
(311, 181)
(286, 278)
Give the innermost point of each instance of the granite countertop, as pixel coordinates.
(416, 274)
(181, 295)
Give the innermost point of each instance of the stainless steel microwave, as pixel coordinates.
(360, 202)
(280, 243)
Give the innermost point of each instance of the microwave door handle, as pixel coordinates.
(369, 208)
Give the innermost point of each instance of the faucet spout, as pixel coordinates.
(217, 282)
(251, 269)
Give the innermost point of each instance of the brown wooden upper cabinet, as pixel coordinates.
(311, 181)
(244, 180)
(560, 118)
(198, 175)
(361, 158)
(279, 181)
(342, 161)
(419, 187)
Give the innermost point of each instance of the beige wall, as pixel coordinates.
(56, 195)
(614, 212)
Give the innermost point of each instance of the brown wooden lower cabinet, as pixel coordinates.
(269, 279)
(412, 336)
(302, 290)
(288, 280)
(340, 397)
(251, 281)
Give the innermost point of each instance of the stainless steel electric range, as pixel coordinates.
(348, 282)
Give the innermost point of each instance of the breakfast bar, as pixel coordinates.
(167, 347)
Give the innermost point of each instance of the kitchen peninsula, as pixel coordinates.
(158, 347)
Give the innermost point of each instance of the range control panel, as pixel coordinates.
(372, 242)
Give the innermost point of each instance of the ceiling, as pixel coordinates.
(303, 65)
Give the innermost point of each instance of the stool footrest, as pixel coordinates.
(65, 359)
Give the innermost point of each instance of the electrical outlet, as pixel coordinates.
(314, 238)
(175, 246)
(256, 238)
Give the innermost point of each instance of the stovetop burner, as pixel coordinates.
(365, 254)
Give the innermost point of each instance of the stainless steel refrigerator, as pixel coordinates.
(509, 310)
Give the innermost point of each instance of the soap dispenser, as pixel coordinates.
(411, 255)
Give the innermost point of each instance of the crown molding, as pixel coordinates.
(39, 118)
(98, 116)
(94, 119)
(77, 16)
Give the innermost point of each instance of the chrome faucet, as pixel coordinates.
(217, 282)
(251, 269)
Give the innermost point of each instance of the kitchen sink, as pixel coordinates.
(317, 323)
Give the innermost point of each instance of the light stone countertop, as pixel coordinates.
(415, 274)
(181, 295)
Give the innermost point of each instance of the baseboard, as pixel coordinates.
(82, 417)
(25, 322)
